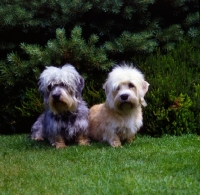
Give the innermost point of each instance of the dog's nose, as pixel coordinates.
(124, 97)
(56, 96)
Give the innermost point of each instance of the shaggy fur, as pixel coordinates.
(120, 117)
(66, 114)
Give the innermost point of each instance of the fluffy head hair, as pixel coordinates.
(65, 83)
(129, 75)
(67, 75)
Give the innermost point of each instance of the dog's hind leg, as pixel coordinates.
(37, 130)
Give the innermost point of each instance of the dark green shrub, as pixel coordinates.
(91, 35)
(32, 104)
(158, 21)
(19, 76)
(93, 93)
(174, 94)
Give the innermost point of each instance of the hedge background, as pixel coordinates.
(160, 37)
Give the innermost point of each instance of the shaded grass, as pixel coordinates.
(167, 165)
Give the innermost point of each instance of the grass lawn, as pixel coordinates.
(167, 165)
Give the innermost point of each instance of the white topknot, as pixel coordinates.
(53, 75)
(125, 73)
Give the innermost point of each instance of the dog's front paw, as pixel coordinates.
(116, 144)
(58, 145)
(83, 140)
(84, 143)
(131, 138)
(58, 142)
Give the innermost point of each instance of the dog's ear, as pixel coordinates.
(145, 87)
(105, 87)
(80, 86)
(40, 88)
(43, 92)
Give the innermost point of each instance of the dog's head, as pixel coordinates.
(125, 88)
(61, 88)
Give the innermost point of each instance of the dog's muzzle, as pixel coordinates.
(124, 97)
(126, 101)
(56, 97)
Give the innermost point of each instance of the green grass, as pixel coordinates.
(167, 165)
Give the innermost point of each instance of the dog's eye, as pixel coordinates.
(117, 88)
(130, 85)
(62, 85)
(49, 87)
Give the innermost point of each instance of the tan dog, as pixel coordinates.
(120, 117)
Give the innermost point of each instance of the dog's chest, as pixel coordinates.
(60, 122)
(126, 126)
(66, 121)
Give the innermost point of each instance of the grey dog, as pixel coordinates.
(66, 115)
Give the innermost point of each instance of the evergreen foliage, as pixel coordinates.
(36, 21)
(174, 95)
(18, 71)
(92, 35)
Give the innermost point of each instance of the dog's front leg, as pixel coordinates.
(58, 142)
(131, 138)
(82, 140)
(114, 141)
